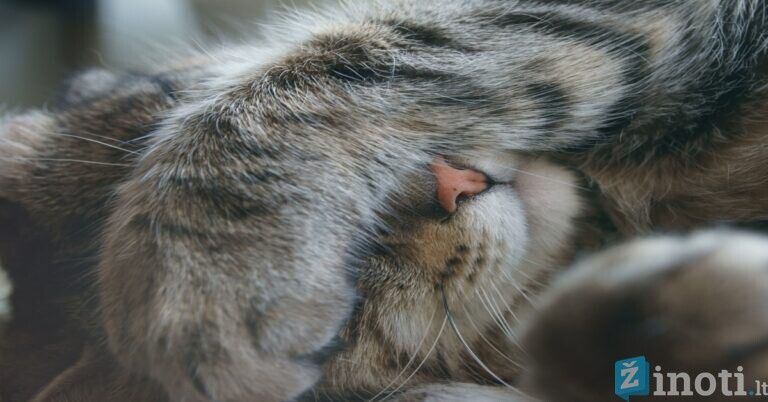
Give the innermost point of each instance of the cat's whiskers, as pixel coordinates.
(543, 269)
(551, 180)
(97, 142)
(507, 311)
(509, 308)
(512, 335)
(91, 134)
(133, 140)
(469, 350)
(523, 293)
(413, 357)
(494, 312)
(423, 361)
(463, 341)
(487, 341)
(532, 262)
(63, 160)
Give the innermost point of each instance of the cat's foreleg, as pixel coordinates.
(229, 258)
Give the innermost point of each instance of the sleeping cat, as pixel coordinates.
(383, 202)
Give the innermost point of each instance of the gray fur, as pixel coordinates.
(256, 225)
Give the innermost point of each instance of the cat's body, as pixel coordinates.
(260, 223)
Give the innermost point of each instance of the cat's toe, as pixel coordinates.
(697, 304)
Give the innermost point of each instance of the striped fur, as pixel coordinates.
(259, 224)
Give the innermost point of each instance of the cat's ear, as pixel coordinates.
(86, 85)
(22, 137)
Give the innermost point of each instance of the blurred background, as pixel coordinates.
(43, 42)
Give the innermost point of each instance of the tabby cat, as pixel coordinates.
(382, 202)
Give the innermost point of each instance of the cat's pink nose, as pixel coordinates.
(453, 183)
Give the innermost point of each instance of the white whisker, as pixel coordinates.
(488, 342)
(507, 307)
(63, 160)
(524, 294)
(466, 345)
(412, 359)
(416, 370)
(521, 171)
(97, 142)
(536, 281)
(498, 317)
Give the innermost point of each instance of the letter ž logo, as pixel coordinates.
(631, 377)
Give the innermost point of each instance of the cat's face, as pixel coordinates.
(440, 291)
(441, 286)
(481, 262)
